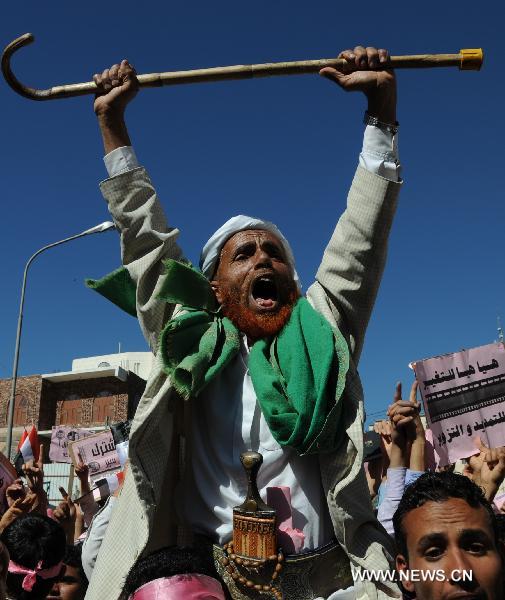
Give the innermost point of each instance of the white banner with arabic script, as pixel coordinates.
(97, 451)
(61, 436)
(464, 398)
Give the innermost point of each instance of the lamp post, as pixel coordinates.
(10, 418)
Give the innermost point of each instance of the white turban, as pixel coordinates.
(212, 249)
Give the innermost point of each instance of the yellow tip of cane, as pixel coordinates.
(471, 59)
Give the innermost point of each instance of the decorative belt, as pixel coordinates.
(303, 576)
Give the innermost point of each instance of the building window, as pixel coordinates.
(104, 409)
(71, 411)
(20, 410)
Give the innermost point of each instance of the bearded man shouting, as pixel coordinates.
(244, 361)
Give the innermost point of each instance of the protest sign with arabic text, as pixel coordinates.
(61, 436)
(464, 398)
(97, 451)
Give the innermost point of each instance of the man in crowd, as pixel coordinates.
(243, 361)
(174, 573)
(72, 582)
(445, 525)
(36, 545)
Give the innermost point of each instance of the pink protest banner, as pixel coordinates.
(61, 436)
(464, 398)
(7, 475)
(97, 451)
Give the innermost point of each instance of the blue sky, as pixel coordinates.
(284, 149)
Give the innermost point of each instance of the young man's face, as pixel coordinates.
(452, 537)
(69, 586)
(254, 282)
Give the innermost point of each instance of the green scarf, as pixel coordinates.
(298, 375)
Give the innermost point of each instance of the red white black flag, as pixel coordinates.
(28, 449)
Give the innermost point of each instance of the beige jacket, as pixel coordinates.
(344, 292)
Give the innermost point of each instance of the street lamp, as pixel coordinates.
(97, 229)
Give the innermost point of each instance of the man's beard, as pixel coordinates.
(256, 325)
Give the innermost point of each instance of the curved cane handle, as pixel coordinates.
(27, 92)
(62, 91)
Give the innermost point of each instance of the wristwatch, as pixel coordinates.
(370, 120)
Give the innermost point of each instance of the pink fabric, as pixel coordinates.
(190, 586)
(32, 574)
(290, 539)
(499, 501)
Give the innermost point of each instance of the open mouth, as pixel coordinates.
(264, 292)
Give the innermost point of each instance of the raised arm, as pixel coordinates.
(354, 259)
(403, 417)
(146, 237)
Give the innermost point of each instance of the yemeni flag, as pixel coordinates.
(28, 449)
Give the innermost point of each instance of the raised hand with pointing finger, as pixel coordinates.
(403, 415)
(487, 469)
(65, 514)
(82, 472)
(34, 473)
(21, 506)
(15, 491)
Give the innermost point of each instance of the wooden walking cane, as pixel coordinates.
(469, 59)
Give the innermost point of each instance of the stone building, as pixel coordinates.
(98, 391)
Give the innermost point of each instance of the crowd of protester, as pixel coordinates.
(443, 518)
(446, 519)
(50, 551)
